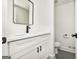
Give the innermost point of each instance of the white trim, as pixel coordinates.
(18, 37)
(61, 2)
(67, 49)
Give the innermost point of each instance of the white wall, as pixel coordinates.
(43, 20)
(65, 24)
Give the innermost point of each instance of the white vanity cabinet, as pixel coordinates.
(31, 48)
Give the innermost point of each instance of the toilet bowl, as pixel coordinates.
(57, 46)
(51, 56)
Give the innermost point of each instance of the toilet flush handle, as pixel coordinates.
(74, 35)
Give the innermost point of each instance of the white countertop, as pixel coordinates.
(29, 35)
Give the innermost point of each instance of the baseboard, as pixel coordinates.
(67, 49)
(6, 57)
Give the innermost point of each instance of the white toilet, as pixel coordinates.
(51, 56)
(57, 46)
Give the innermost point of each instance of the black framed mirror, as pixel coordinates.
(23, 12)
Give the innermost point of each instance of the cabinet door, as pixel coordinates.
(26, 54)
(23, 55)
(44, 50)
(23, 50)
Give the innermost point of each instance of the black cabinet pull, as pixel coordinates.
(4, 40)
(40, 48)
(37, 49)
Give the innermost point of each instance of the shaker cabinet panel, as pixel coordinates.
(44, 49)
(32, 54)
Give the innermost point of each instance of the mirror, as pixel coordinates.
(23, 12)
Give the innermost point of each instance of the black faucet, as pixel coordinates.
(27, 29)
